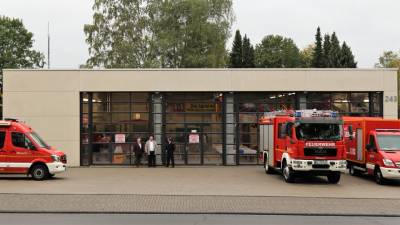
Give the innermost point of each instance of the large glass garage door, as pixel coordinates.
(209, 128)
(110, 126)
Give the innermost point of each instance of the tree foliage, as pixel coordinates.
(16, 46)
(327, 59)
(330, 54)
(306, 55)
(16, 49)
(154, 33)
(335, 52)
(318, 56)
(389, 59)
(347, 57)
(236, 54)
(248, 53)
(276, 51)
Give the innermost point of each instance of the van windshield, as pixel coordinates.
(39, 141)
(389, 142)
(319, 131)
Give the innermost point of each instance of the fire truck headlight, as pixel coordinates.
(388, 162)
(56, 158)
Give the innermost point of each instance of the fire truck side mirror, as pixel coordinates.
(350, 129)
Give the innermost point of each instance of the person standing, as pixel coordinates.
(138, 148)
(151, 150)
(170, 147)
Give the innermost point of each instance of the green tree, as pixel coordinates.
(347, 57)
(306, 55)
(248, 53)
(318, 56)
(154, 33)
(236, 54)
(335, 52)
(16, 48)
(119, 35)
(389, 59)
(275, 51)
(326, 50)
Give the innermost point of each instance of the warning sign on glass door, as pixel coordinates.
(194, 137)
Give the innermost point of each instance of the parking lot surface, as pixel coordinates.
(209, 181)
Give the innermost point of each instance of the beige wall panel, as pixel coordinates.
(271, 80)
(59, 128)
(41, 80)
(390, 105)
(155, 80)
(344, 80)
(389, 80)
(42, 104)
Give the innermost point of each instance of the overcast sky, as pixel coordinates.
(368, 26)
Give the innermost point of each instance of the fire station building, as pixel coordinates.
(95, 116)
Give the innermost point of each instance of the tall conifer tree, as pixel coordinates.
(235, 57)
(318, 61)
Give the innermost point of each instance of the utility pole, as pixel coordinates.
(48, 45)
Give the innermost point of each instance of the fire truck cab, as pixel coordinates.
(22, 151)
(303, 142)
(373, 147)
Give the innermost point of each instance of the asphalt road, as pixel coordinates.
(131, 219)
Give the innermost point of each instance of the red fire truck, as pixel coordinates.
(303, 142)
(22, 151)
(373, 147)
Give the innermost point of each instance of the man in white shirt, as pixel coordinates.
(151, 150)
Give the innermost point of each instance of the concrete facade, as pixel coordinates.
(48, 100)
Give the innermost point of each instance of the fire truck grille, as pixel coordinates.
(63, 159)
(320, 151)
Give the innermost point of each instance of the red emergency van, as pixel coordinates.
(373, 147)
(303, 142)
(23, 151)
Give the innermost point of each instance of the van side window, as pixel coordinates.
(281, 130)
(18, 139)
(2, 138)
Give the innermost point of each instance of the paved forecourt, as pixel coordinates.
(242, 189)
(227, 181)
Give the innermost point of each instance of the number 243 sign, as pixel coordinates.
(391, 98)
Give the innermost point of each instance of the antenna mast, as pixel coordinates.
(48, 45)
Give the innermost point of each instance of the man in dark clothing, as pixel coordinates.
(170, 147)
(138, 148)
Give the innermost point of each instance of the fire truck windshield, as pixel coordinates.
(319, 131)
(389, 142)
(38, 140)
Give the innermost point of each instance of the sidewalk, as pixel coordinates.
(159, 204)
(237, 189)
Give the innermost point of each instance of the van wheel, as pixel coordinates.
(334, 177)
(379, 179)
(287, 172)
(39, 172)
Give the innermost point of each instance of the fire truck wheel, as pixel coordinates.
(379, 179)
(268, 169)
(287, 172)
(352, 171)
(334, 177)
(39, 172)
